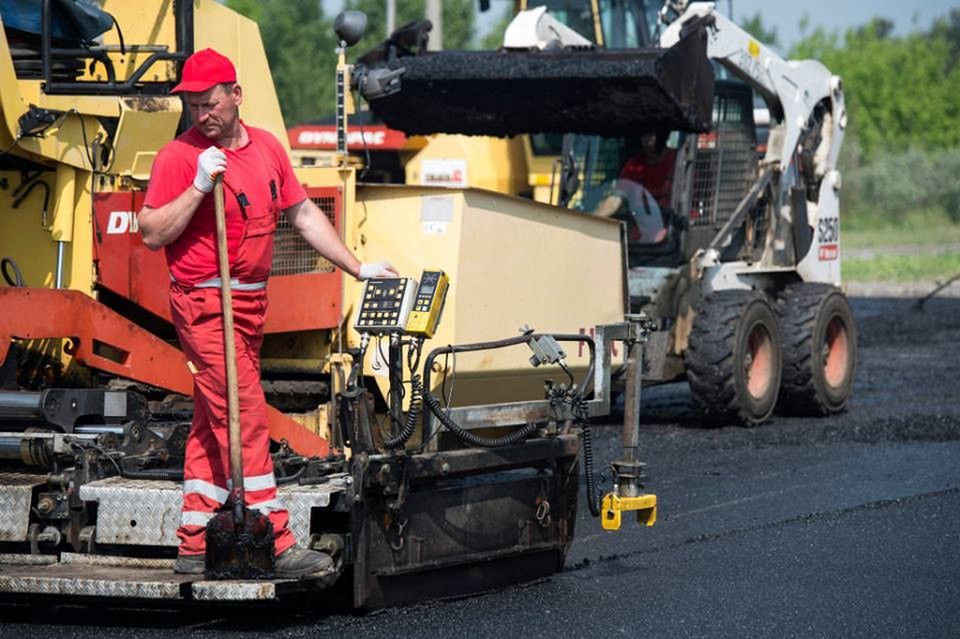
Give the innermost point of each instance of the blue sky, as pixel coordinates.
(840, 14)
(785, 15)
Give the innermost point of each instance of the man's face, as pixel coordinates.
(215, 111)
(648, 143)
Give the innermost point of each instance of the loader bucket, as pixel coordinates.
(503, 93)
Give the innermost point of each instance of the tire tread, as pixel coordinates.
(710, 355)
(798, 306)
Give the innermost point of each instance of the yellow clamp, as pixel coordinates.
(613, 505)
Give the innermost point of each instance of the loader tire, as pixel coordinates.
(733, 359)
(819, 340)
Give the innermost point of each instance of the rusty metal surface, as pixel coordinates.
(147, 512)
(16, 490)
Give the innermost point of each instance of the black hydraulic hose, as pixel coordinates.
(18, 200)
(486, 442)
(16, 280)
(168, 474)
(512, 341)
(290, 479)
(469, 438)
(413, 415)
(123, 49)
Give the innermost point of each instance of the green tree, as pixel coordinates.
(459, 21)
(755, 26)
(250, 8)
(900, 91)
(300, 45)
(494, 39)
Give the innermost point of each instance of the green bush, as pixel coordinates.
(895, 187)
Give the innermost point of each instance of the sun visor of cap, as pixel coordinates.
(503, 93)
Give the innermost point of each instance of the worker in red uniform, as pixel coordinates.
(178, 215)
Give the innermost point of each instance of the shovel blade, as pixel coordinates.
(239, 550)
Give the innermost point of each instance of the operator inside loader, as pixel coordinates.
(641, 194)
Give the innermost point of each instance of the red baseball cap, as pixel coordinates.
(204, 69)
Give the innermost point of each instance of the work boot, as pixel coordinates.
(298, 562)
(190, 564)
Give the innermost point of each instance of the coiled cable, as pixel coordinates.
(167, 474)
(593, 497)
(581, 415)
(413, 414)
(469, 438)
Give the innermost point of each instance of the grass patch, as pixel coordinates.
(891, 236)
(902, 268)
(921, 228)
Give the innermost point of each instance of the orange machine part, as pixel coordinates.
(106, 341)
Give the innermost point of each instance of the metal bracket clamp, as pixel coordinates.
(613, 506)
(546, 350)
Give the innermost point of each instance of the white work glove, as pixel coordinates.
(211, 163)
(376, 269)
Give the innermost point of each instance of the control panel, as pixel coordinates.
(385, 305)
(428, 304)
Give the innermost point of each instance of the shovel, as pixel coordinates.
(240, 542)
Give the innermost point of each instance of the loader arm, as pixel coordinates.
(792, 89)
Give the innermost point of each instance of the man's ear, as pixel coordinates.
(237, 94)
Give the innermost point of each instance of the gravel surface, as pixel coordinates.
(914, 290)
(816, 528)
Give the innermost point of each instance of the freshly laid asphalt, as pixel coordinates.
(840, 527)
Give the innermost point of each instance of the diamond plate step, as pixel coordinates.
(16, 491)
(146, 512)
(104, 576)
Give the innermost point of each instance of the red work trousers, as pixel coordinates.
(197, 316)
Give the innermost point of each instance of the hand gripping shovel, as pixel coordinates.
(240, 542)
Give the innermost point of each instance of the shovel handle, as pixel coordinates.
(229, 348)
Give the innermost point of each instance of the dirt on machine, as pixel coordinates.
(725, 178)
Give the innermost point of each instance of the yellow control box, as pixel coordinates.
(428, 304)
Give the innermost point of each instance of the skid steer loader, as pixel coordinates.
(736, 253)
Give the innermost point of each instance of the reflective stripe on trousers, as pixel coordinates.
(235, 284)
(197, 317)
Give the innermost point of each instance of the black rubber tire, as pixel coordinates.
(731, 330)
(819, 339)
